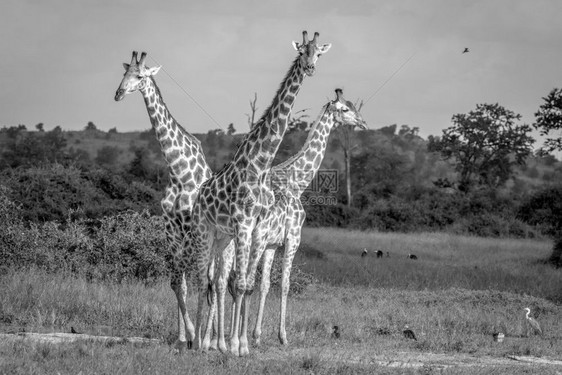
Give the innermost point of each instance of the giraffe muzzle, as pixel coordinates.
(310, 70)
(119, 95)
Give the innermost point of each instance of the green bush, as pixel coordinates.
(128, 245)
(55, 193)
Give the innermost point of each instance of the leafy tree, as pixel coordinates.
(107, 155)
(484, 144)
(549, 120)
(54, 143)
(40, 127)
(91, 126)
(231, 129)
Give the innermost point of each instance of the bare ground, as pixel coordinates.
(348, 354)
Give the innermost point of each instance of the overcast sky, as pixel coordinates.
(62, 60)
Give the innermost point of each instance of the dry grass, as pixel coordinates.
(454, 297)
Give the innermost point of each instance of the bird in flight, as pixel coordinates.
(466, 50)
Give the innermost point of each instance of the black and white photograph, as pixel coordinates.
(281, 187)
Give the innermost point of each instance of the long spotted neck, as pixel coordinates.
(300, 169)
(182, 151)
(262, 142)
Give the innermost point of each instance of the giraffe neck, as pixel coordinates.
(262, 142)
(181, 150)
(300, 169)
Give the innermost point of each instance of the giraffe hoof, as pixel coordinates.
(244, 351)
(190, 344)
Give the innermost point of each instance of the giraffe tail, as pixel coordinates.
(210, 294)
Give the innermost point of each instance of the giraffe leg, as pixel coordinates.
(264, 290)
(237, 338)
(203, 244)
(256, 251)
(244, 349)
(179, 286)
(222, 280)
(212, 295)
(291, 246)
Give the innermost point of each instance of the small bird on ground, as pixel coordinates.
(335, 332)
(72, 330)
(379, 253)
(533, 323)
(498, 336)
(409, 334)
(364, 253)
(412, 256)
(466, 50)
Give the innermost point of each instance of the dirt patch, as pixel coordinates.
(348, 355)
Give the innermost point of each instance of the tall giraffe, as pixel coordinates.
(234, 200)
(187, 170)
(285, 220)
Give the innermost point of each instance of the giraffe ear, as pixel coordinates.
(325, 47)
(126, 66)
(152, 71)
(296, 45)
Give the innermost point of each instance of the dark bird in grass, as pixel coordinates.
(383, 331)
(335, 332)
(379, 253)
(72, 330)
(533, 323)
(498, 336)
(412, 256)
(466, 50)
(409, 334)
(364, 253)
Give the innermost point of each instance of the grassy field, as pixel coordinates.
(458, 292)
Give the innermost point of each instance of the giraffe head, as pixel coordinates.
(345, 112)
(136, 74)
(310, 51)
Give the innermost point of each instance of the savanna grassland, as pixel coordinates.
(458, 292)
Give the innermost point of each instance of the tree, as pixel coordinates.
(108, 155)
(253, 109)
(548, 121)
(40, 127)
(484, 144)
(91, 126)
(231, 129)
(344, 133)
(54, 143)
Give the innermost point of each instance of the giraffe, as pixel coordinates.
(187, 169)
(285, 220)
(233, 201)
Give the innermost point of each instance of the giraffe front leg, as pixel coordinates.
(244, 349)
(222, 280)
(264, 290)
(291, 246)
(179, 286)
(237, 338)
(212, 302)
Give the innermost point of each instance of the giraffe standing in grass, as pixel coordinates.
(187, 169)
(285, 220)
(235, 200)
